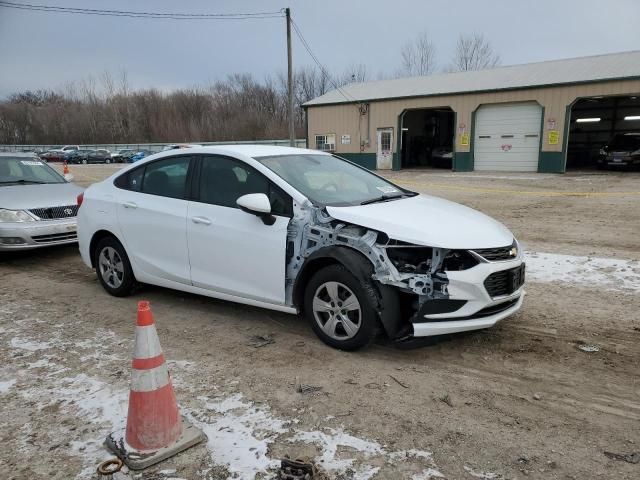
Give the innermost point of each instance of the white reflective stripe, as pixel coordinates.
(147, 342)
(149, 380)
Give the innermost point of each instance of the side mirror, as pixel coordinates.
(68, 177)
(257, 204)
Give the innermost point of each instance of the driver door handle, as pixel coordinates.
(201, 220)
(130, 205)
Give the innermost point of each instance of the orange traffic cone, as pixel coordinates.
(65, 168)
(155, 431)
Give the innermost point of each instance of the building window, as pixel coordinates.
(326, 143)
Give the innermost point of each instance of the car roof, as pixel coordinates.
(253, 150)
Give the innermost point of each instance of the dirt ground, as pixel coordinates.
(519, 400)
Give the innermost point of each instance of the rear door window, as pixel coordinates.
(167, 177)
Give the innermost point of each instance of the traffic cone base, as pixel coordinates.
(141, 459)
(155, 431)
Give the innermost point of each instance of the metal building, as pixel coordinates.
(545, 117)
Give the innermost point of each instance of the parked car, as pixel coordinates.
(139, 155)
(122, 155)
(442, 157)
(53, 156)
(38, 206)
(76, 156)
(69, 148)
(96, 156)
(300, 230)
(177, 146)
(622, 151)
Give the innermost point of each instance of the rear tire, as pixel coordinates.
(340, 308)
(113, 268)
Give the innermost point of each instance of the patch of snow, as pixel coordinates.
(607, 273)
(329, 441)
(589, 348)
(427, 474)
(30, 345)
(5, 386)
(97, 403)
(42, 363)
(238, 434)
(483, 475)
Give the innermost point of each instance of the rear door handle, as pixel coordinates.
(130, 205)
(201, 220)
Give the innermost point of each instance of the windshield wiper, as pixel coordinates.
(22, 180)
(382, 198)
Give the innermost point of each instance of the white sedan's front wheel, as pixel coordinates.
(340, 308)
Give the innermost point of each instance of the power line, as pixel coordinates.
(323, 70)
(137, 14)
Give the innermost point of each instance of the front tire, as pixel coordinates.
(113, 268)
(340, 308)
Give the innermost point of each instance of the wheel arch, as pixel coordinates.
(95, 239)
(386, 298)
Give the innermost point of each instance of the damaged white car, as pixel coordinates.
(301, 231)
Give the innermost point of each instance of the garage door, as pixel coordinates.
(507, 137)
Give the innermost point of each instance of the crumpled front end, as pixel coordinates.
(440, 290)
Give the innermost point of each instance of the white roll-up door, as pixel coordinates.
(507, 137)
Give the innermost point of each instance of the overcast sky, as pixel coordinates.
(47, 50)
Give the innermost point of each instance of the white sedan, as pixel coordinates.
(301, 231)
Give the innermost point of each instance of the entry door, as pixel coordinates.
(507, 137)
(152, 216)
(232, 251)
(384, 157)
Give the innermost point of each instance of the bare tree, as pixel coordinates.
(474, 52)
(354, 73)
(418, 56)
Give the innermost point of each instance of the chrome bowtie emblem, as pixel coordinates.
(68, 211)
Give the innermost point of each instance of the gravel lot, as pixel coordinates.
(519, 400)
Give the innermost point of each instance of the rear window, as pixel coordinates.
(625, 142)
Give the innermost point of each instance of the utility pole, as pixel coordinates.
(292, 130)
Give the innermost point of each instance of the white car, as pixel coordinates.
(301, 231)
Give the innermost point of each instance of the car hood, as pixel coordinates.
(427, 220)
(21, 197)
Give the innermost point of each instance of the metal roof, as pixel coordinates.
(572, 70)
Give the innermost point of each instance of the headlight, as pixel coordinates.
(603, 152)
(15, 216)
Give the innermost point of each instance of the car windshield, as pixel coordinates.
(26, 170)
(333, 181)
(625, 142)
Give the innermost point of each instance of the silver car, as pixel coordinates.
(38, 206)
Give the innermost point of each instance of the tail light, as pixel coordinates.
(80, 198)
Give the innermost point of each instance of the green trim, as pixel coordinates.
(556, 162)
(396, 163)
(489, 90)
(463, 162)
(366, 160)
(551, 162)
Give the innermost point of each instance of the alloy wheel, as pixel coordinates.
(336, 310)
(111, 267)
